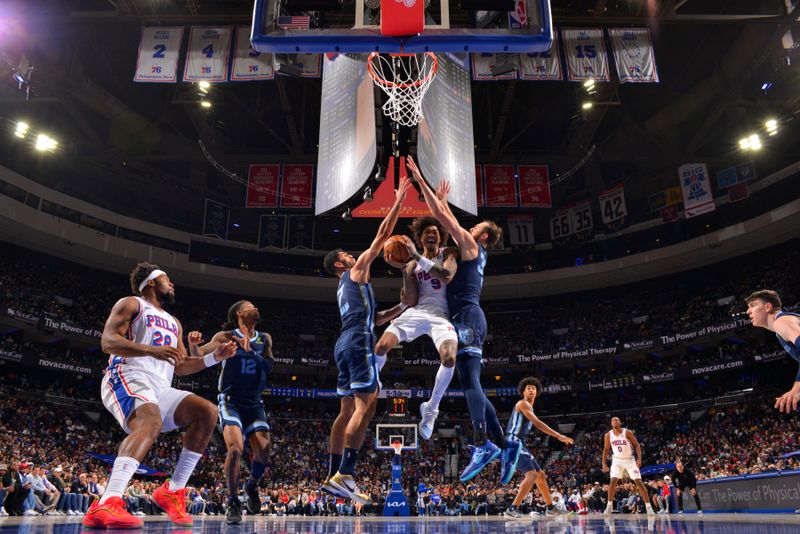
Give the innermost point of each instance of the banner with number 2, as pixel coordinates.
(158, 55)
(207, 54)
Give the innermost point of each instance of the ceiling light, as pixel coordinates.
(744, 143)
(204, 85)
(206, 104)
(22, 129)
(766, 86)
(588, 84)
(587, 105)
(755, 142)
(45, 142)
(772, 126)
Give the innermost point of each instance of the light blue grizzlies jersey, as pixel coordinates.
(788, 344)
(356, 305)
(465, 289)
(244, 375)
(518, 426)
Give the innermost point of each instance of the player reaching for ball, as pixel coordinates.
(425, 279)
(357, 385)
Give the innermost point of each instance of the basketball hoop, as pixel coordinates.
(397, 446)
(405, 78)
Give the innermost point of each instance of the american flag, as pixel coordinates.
(294, 23)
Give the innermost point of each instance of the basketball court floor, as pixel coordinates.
(595, 524)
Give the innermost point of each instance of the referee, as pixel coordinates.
(684, 478)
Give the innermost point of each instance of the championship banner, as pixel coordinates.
(669, 214)
(479, 184)
(561, 225)
(296, 186)
(501, 186)
(207, 54)
(534, 186)
(581, 217)
(272, 231)
(247, 63)
(262, 186)
(158, 55)
(520, 229)
(633, 55)
(215, 219)
(612, 204)
(541, 66)
(586, 54)
(482, 67)
(696, 187)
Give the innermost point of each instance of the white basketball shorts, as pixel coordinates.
(123, 390)
(420, 322)
(620, 465)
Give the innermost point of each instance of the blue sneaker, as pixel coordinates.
(508, 460)
(480, 457)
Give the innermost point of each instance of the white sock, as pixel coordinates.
(183, 469)
(443, 377)
(124, 468)
(380, 361)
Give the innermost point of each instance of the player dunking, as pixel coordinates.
(241, 410)
(463, 298)
(621, 441)
(521, 421)
(146, 348)
(429, 315)
(764, 310)
(357, 384)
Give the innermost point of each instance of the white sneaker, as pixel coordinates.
(30, 512)
(650, 510)
(608, 511)
(699, 512)
(428, 419)
(70, 512)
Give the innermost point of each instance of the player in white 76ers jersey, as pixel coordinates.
(146, 347)
(621, 441)
(425, 279)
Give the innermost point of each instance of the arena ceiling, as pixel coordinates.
(134, 147)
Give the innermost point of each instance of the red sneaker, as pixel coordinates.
(110, 514)
(174, 503)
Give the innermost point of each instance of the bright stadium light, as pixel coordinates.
(587, 105)
(772, 126)
(22, 129)
(204, 85)
(744, 143)
(45, 142)
(206, 104)
(588, 84)
(755, 142)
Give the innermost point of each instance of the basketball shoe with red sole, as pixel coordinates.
(110, 514)
(174, 503)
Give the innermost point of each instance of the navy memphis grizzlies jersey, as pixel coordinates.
(356, 306)
(465, 289)
(518, 426)
(244, 375)
(789, 346)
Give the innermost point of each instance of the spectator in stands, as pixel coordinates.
(6, 486)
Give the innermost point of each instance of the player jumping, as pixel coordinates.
(621, 441)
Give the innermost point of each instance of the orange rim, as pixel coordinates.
(387, 83)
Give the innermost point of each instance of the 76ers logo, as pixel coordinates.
(407, 3)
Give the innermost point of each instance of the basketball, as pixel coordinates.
(395, 250)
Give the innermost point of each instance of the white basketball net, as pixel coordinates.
(397, 446)
(405, 78)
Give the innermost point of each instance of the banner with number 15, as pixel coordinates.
(158, 55)
(207, 54)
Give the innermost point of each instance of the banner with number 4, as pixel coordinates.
(612, 204)
(158, 55)
(207, 54)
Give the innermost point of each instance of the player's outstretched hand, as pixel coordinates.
(442, 190)
(402, 189)
(225, 351)
(605, 468)
(410, 246)
(566, 440)
(195, 338)
(412, 166)
(788, 402)
(168, 354)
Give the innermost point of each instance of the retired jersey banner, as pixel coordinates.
(158, 55)
(534, 186)
(501, 186)
(482, 67)
(272, 231)
(561, 225)
(612, 204)
(207, 54)
(247, 63)
(310, 65)
(581, 215)
(585, 50)
(479, 184)
(216, 217)
(520, 229)
(296, 186)
(696, 187)
(262, 186)
(542, 66)
(633, 55)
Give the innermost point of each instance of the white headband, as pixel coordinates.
(155, 274)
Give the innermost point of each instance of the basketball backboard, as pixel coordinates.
(386, 434)
(319, 26)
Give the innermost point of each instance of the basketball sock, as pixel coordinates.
(697, 501)
(348, 466)
(183, 469)
(257, 471)
(124, 468)
(443, 377)
(494, 427)
(680, 502)
(380, 361)
(333, 464)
